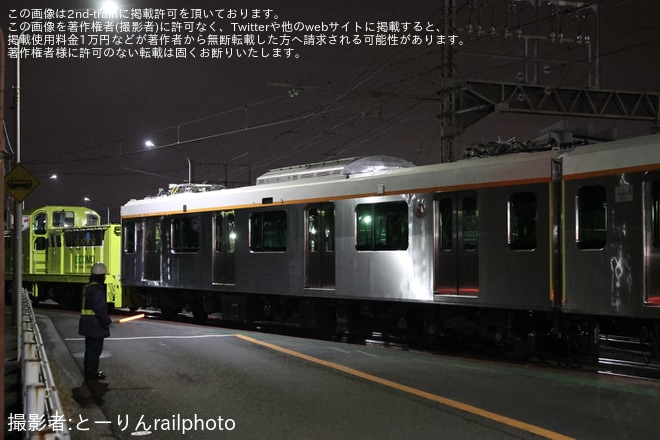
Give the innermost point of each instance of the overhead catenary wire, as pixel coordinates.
(359, 79)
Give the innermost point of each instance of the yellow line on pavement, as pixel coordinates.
(406, 389)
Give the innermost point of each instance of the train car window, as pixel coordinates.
(591, 206)
(63, 219)
(329, 232)
(185, 234)
(470, 224)
(522, 216)
(655, 213)
(446, 224)
(268, 231)
(39, 225)
(218, 233)
(231, 233)
(129, 238)
(382, 226)
(152, 242)
(312, 230)
(229, 219)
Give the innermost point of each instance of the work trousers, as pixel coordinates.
(93, 350)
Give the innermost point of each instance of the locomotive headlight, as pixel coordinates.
(366, 219)
(232, 235)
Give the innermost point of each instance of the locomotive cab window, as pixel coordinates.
(185, 235)
(268, 231)
(522, 219)
(63, 219)
(591, 208)
(39, 224)
(94, 220)
(382, 226)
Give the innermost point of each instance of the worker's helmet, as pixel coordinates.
(99, 269)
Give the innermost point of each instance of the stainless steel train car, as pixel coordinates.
(508, 248)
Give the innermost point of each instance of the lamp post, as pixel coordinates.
(107, 207)
(150, 144)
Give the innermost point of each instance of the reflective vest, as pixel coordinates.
(83, 310)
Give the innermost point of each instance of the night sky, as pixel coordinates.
(87, 120)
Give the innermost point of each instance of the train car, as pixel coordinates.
(507, 248)
(611, 246)
(60, 245)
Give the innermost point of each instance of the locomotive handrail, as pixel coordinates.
(41, 402)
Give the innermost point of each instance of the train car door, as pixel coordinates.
(456, 251)
(652, 239)
(320, 246)
(153, 244)
(224, 239)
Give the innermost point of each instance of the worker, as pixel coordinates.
(94, 322)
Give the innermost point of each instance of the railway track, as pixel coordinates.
(619, 356)
(628, 356)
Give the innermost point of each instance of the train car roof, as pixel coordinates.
(626, 155)
(60, 208)
(514, 169)
(616, 157)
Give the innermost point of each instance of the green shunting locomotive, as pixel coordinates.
(60, 245)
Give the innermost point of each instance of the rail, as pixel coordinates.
(42, 407)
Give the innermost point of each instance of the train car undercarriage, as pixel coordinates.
(514, 334)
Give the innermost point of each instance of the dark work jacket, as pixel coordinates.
(94, 319)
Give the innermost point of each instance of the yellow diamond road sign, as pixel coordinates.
(19, 183)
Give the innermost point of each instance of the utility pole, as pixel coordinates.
(447, 93)
(2, 217)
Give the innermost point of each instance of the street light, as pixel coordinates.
(150, 144)
(109, 7)
(87, 199)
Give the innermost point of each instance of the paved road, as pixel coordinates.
(166, 378)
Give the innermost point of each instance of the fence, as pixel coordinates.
(44, 417)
